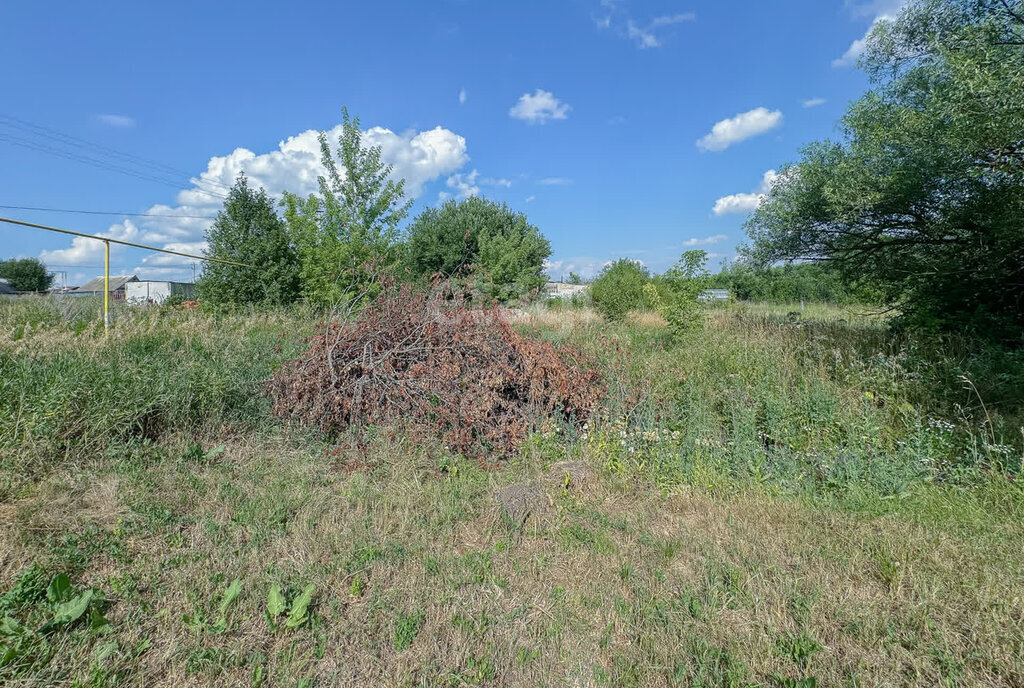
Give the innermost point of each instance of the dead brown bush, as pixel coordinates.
(426, 361)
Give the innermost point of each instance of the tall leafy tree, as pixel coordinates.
(26, 274)
(924, 194)
(347, 234)
(248, 230)
(506, 252)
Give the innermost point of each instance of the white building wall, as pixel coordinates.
(148, 292)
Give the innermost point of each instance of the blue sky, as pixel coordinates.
(620, 128)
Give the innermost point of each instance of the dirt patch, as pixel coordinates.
(520, 502)
(574, 476)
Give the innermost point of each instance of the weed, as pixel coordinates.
(407, 627)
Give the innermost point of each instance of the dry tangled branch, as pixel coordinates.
(424, 360)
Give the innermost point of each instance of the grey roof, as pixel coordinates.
(6, 288)
(116, 282)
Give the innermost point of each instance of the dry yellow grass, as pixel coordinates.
(624, 586)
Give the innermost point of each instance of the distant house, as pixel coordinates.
(6, 289)
(563, 290)
(94, 287)
(713, 295)
(151, 291)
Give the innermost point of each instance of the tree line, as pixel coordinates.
(337, 243)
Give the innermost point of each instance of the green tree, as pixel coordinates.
(248, 230)
(924, 195)
(347, 235)
(680, 286)
(26, 274)
(619, 289)
(499, 245)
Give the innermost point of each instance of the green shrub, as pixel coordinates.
(619, 288)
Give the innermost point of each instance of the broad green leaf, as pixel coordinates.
(69, 611)
(97, 622)
(275, 601)
(60, 588)
(230, 595)
(298, 616)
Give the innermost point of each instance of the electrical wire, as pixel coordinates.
(56, 143)
(106, 212)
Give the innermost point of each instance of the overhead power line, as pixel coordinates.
(60, 144)
(108, 240)
(39, 130)
(106, 212)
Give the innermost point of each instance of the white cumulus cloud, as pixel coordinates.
(539, 107)
(739, 128)
(85, 251)
(419, 157)
(743, 203)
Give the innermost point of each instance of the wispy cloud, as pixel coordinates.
(123, 121)
(462, 97)
(813, 102)
(463, 185)
(705, 241)
(644, 35)
(554, 181)
(739, 128)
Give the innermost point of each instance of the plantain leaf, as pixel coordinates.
(59, 589)
(275, 601)
(66, 612)
(230, 595)
(298, 615)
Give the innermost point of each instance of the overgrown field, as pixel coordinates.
(772, 502)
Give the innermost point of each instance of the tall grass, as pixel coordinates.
(831, 403)
(68, 393)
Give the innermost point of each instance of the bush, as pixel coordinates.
(619, 288)
(504, 249)
(424, 360)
